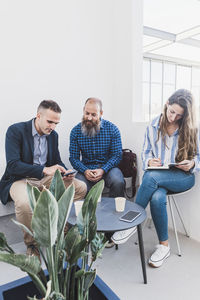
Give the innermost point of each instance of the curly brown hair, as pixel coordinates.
(187, 141)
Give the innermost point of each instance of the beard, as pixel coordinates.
(90, 128)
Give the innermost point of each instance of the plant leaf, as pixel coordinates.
(79, 273)
(64, 207)
(61, 260)
(56, 296)
(45, 219)
(92, 228)
(31, 196)
(22, 226)
(57, 187)
(36, 193)
(97, 245)
(86, 220)
(3, 242)
(48, 290)
(89, 279)
(74, 245)
(90, 203)
(4, 245)
(26, 263)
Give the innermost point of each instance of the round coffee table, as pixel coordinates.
(108, 220)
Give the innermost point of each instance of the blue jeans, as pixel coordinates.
(154, 187)
(114, 180)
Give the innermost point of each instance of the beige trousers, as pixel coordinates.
(18, 192)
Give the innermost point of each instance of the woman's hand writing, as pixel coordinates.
(154, 162)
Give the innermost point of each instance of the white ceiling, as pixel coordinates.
(174, 17)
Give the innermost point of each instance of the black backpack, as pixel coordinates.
(128, 167)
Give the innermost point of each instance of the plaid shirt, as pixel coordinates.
(101, 151)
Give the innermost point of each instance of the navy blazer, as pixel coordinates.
(19, 156)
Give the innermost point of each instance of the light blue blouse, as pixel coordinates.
(153, 149)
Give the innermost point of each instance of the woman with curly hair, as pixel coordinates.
(172, 137)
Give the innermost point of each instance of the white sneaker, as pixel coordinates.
(158, 257)
(121, 237)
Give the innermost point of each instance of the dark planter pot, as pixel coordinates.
(21, 288)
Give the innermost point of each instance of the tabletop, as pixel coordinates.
(108, 217)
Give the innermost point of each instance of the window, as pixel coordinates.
(161, 78)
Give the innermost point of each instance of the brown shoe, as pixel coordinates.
(32, 250)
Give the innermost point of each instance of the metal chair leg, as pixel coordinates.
(180, 215)
(174, 225)
(150, 223)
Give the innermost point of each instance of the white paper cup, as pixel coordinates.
(78, 205)
(120, 203)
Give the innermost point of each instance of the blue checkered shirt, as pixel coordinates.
(101, 151)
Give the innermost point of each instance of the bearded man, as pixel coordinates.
(98, 142)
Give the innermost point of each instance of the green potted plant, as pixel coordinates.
(61, 253)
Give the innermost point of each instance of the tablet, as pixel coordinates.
(130, 216)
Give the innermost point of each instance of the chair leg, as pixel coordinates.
(150, 223)
(174, 225)
(180, 216)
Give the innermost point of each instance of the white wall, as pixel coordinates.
(61, 50)
(68, 51)
(127, 89)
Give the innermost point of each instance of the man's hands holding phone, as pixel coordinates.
(49, 171)
(69, 175)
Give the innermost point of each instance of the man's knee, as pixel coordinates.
(115, 177)
(80, 189)
(114, 180)
(118, 182)
(18, 192)
(19, 195)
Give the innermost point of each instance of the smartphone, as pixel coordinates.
(72, 172)
(130, 216)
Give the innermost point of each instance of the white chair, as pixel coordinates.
(171, 199)
(172, 202)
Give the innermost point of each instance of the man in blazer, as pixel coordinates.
(32, 155)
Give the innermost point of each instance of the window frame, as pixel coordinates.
(163, 62)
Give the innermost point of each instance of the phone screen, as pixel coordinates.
(72, 172)
(130, 216)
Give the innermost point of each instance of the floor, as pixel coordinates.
(177, 279)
